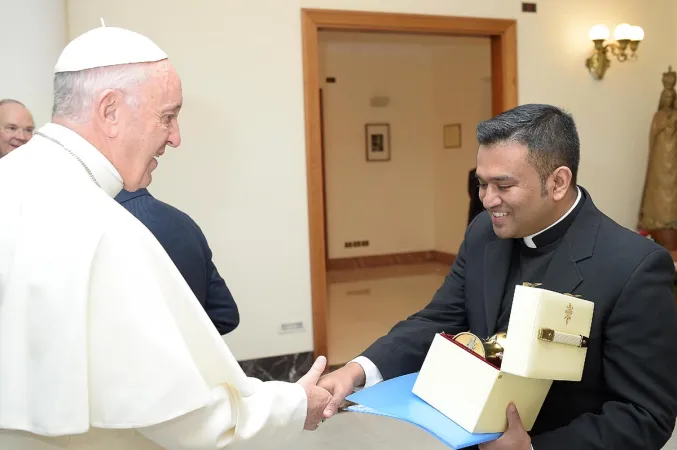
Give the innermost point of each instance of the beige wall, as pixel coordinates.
(418, 200)
(461, 76)
(241, 169)
(32, 33)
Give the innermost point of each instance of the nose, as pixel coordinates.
(490, 198)
(174, 139)
(24, 136)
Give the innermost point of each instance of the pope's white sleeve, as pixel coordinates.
(371, 372)
(232, 422)
(156, 363)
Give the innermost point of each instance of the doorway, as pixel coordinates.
(502, 34)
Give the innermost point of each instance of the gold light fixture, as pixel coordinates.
(624, 47)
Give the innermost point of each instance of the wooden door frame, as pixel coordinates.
(503, 35)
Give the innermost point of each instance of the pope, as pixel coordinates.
(103, 343)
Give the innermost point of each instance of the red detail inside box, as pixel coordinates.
(450, 337)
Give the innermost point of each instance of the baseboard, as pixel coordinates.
(279, 368)
(392, 259)
(445, 258)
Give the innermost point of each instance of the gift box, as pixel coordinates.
(547, 335)
(546, 340)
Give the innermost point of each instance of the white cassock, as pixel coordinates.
(103, 345)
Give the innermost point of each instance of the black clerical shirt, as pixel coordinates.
(531, 256)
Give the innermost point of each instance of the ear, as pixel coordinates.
(107, 112)
(562, 177)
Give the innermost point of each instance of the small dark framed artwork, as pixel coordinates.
(452, 135)
(378, 141)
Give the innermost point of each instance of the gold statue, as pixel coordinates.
(658, 213)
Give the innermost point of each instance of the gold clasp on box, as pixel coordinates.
(546, 334)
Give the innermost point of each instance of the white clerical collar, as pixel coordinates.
(101, 168)
(529, 240)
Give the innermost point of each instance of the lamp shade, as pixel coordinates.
(598, 32)
(636, 34)
(623, 31)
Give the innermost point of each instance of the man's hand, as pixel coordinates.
(341, 383)
(318, 398)
(514, 438)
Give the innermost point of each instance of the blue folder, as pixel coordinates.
(393, 398)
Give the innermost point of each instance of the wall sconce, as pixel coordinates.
(627, 38)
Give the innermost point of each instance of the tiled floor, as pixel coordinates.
(363, 305)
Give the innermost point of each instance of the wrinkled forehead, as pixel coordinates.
(174, 88)
(16, 114)
(165, 82)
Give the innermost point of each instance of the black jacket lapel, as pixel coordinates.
(578, 244)
(497, 259)
(562, 274)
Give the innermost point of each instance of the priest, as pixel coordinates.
(102, 343)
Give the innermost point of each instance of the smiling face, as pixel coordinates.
(133, 121)
(16, 127)
(512, 192)
(148, 125)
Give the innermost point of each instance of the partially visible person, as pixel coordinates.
(187, 246)
(542, 227)
(16, 125)
(475, 206)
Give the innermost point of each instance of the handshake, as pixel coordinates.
(327, 393)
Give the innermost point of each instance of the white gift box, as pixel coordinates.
(548, 334)
(546, 340)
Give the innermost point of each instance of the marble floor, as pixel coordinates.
(352, 431)
(349, 431)
(364, 304)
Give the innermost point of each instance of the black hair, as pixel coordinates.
(549, 134)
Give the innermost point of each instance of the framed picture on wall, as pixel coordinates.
(452, 135)
(378, 141)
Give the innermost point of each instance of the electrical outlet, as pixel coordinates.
(291, 327)
(356, 244)
(365, 291)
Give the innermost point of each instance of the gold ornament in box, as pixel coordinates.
(490, 349)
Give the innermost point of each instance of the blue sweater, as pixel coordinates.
(187, 246)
